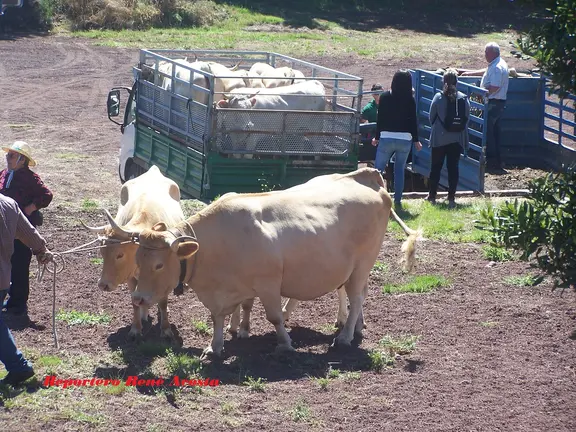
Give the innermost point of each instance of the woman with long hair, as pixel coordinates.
(445, 140)
(397, 129)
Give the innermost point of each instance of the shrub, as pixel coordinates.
(542, 227)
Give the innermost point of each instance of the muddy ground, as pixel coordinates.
(490, 356)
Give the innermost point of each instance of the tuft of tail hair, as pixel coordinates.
(409, 246)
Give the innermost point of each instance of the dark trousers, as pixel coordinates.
(451, 153)
(20, 287)
(493, 117)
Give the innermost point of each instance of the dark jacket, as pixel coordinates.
(397, 115)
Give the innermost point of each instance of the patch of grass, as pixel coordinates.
(182, 365)
(440, 223)
(489, 323)
(379, 360)
(48, 361)
(301, 411)
(115, 390)
(328, 328)
(97, 261)
(227, 408)
(417, 284)
(201, 327)
(322, 382)
(191, 206)
(496, 253)
(379, 268)
(256, 385)
(89, 204)
(402, 345)
(21, 126)
(74, 317)
(523, 281)
(69, 156)
(352, 376)
(333, 373)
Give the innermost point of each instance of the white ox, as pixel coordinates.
(144, 201)
(225, 79)
(300, 244)
(304, 96)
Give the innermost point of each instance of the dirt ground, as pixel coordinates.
(490, 356)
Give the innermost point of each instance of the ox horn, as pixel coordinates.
(97, 230)
(117, 228)
(235, 67)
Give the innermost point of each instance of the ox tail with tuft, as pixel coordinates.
(409, 246)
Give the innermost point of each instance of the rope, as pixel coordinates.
(104, 242)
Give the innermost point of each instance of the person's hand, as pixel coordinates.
(45, 257)
(374, 142)
(29, 209)
(418, 145)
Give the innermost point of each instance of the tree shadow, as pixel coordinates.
(415, 15)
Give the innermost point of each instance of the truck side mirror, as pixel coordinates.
(113, 103)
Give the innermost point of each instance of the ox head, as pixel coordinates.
(158, 259)
(118, 253)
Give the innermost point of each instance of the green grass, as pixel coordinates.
(256, 385)
(496, 253)
(523, 281)
(89, 204)
(322, 382)
(417, 284)
(182, 365)
(379, 360)
(201, 327)
(97, 261)
(379, 268)
(402, 345)
(489, 324)
(301, 411)
(440, 223)
(74, 317)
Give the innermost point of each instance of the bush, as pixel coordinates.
(33, 15)
(542, 227)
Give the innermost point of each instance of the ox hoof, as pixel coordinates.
(209, 354)
(167, 334)
(135, 336)
(340, 344)
(339, 324)
(244, 334)
(284, 349)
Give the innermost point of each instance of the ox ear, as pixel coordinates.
(186, 249)
(222, 103)
(253, 101)
(160, 226)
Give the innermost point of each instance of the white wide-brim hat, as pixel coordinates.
(24, 149)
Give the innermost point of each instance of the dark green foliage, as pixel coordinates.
(33, 15)
(542, 227)
(552, 43)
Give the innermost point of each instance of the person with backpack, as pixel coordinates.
(449, 115)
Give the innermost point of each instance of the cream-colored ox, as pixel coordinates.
(144, 201)
(300, 243)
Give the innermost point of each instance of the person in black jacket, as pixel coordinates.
(397, 129)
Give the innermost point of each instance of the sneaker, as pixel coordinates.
(431, 200)
(451, 204)
(16, 310)
(15, 378)
(397, 207)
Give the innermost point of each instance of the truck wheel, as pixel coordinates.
(132, 171)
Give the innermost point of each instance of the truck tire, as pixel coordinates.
(132, 170)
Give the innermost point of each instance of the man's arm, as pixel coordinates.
(465, 72)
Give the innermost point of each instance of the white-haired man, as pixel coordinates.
(495, 81)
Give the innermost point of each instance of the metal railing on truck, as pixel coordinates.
(330, 133)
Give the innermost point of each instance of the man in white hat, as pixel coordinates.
(23, 185)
